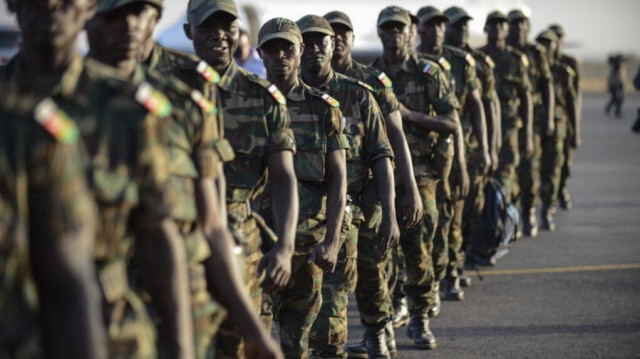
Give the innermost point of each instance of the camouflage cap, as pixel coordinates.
(107, 6)
(496, 16)
(429, 13)
(314, 23)
(557, 28)
(279, 28)
(394, 13)
(456, 13)
(516, 14)
(548, 35)
(200, 10)
(338, 17)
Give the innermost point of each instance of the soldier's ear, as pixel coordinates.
(259, 50)
(92, 6)
(333, 43)
(187, 30)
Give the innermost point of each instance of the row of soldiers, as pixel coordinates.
(158, 204)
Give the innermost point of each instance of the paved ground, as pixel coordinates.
(572, 293)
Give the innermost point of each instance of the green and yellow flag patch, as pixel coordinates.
(56, 121)
(153, 100)
(208, 72)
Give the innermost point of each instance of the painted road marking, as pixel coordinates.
(560, 269)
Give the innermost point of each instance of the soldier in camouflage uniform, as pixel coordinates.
(553, 145)
(542, 97)
(457, 35)
(256, 124)
(514, 91)
(47, 231)
(573, 132)
(369, 151)
(460, 66)
(428, 105)
(372, 287)
(320, 164)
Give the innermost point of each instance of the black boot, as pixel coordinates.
(529, 222)
(401, 313)
(361, 350)
(419, 331)
(376, 344)
(565, 199)
(465, 280)
(451, 286)
(434, 310)
(546, 218)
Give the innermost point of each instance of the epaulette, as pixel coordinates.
(271, 88)
(522, 57)
(386, 81)
(570, 70)
(209, 73)
(430, 70)
(470, 60)
(324, 96)
(55, 121)
(489, 61)
(366, 86)
(203, 103)
(444, 63)
(359, 83)
(153, 100)
(525, 60)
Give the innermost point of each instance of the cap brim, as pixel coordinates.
(396, 18)
(428, 18)
(127, 2)
(517, 17)
(200, 15)
(317, 29)
(341, 22)
(456, 19)
(280, 35)
(497, 18)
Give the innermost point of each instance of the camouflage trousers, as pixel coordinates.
(328, 335)
(551, 163)
(509, 158)
(229, 343)
(397, 274)
(446, 207)
(528, 188)
(568, 159)
(465, 221)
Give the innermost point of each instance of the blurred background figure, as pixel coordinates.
(636, 83)
(247, 57)
(617, 74)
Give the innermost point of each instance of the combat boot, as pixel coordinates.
(565, 199)
(434, 310)
(529, 222)
(360, 350)
(391, 340)
(401, 313)
(546, 218)
(451, 286)
(419, 331)
(465, 280)
(376, 344)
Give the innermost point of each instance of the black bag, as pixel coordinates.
(497, 227)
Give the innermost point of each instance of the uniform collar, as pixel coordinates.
(229, 79)
(154, 59)
(296, 93)
(64, 84)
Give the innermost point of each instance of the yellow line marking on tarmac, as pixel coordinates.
(560, 269)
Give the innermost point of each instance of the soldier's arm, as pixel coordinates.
(223, 273)
(460, 174)
(572, 111)
(526, 111)
(389, 234)
(444, 124)
(478, 121)
(548, 98)
(411, 203)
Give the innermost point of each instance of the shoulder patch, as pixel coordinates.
(525, 60)
(56, 121)
(470, 60)
(330, 100)
(273, 90)
(153, 100)
(206, 71)
(444, 63)
(430, 70)
(570, 71)
(204, 104)
(386, 81)
(366, 86)
(489, 61)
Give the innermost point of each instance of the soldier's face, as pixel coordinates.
(344, 41)
(413, 36)
(281, 58)
(458, 33)
(121, 34)
(318, 51)
(432, 33)
(393, 35)
(497, 30)
(51, 25)
(519, 29)
(216, 39)
(551, 47)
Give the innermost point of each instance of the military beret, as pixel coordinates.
(429, 13)
(394, 13)
(200, 10)
(456, 13)
(314, 23)
(107, 6)
(338, 17)
(279, 28)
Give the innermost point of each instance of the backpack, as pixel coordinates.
(497, 227)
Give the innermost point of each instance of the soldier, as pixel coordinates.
(460, 66)
(370, 150)
(514, 91)
(372, 290)
(543, 104)
(320, 163)
(256, 124)
(617, 74)
(563, 195)
(47, 231)
(457, 35)
(429, 106)
(127, 174)
(564, 114)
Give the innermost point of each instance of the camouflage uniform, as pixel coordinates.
(553, 146)
(563, 192)
(43, 183)
(512, 79)
(420, 85)
(192, 139)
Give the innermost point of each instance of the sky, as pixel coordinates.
(594, 28)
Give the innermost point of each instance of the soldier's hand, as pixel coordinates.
(495, 161)
(576, 141)
(262, 347)
(325, 256)
(460, 182)
(411, 209)
(529, 147)
(483, 162)
(551, 128)
(388, 235)
(277, 264)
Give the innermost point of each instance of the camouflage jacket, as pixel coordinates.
(363, 127)
(484, 73)
(512, 79)
(420, 86)
(575, 65)
(564, 88)
(539, 71)
(379, 83)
